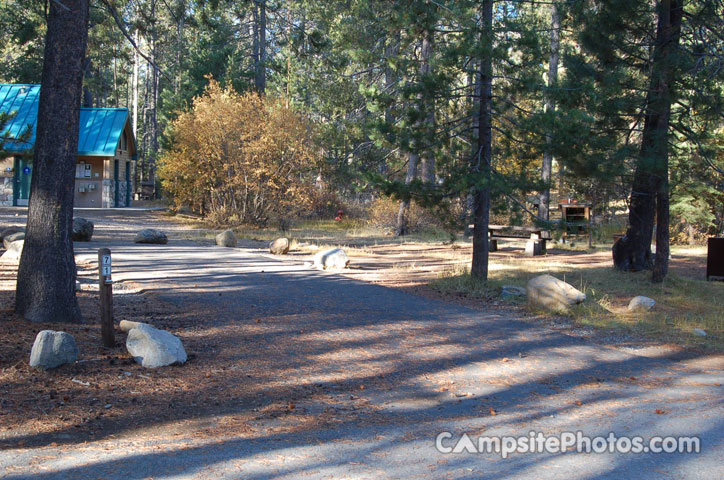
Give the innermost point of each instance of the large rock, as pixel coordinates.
(128, 325)
(149, 235)
(13, 237)
(53, 349)
(154, 348)
(12, 255)
(226, 239)
(549, 293)
(10, 231)
(280, 246)
(641, 304)
(335, 258)
(82, 230)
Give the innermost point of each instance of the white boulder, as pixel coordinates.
(335, 258)
(13, 237)
(82, 230)
(154, 348)
(9, 231)
(226, 239)
(641, 304)
(549, 293)
(13, 252)
(150, 235)
(128, 325)
(280, 246)
(52, 349)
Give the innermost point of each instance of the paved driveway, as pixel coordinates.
(396, 370)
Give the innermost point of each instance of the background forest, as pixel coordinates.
(383, 97)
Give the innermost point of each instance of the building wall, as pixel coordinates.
(109, 183)
(94, 191)
(88, 189)
(6, 182)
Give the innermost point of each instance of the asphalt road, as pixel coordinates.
(420, 366)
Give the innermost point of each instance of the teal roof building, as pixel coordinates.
(106, 151)
(100, 129)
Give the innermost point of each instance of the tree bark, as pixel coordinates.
(650, 192)
(260, 43)
(481, 161)
(427, 157)
(46, 275)
(88, 75)
(550, 106)
(392, 48)
(404, 212)
(134, 95)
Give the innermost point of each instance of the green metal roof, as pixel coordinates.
(99, 132)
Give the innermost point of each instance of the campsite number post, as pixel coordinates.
(105, 285)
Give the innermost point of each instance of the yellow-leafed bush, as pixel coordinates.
(240, 159)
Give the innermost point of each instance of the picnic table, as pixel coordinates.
(535, 237)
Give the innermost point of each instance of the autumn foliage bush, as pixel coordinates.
(241, 158)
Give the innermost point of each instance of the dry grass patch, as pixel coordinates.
(682, 303)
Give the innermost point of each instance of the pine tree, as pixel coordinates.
(46, 275)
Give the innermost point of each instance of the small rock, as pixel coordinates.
(128, 325)
(280, 246)
(150, 235)
(154, 348)
(82, 230)
(699, 332)
(14, 250)
(335, 258)
(13, 237)
(52, 349)
(548, 292)
(226, 239)
(641, 304)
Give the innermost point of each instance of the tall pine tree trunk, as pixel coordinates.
(88, 75)
(259, 45)
(481, 161)
(134, 87)
(46, 275)
(404, 211)
(427, 157)
(392, 48)
(413, 157)
(650, 192)
(547, 167)
(261, 68)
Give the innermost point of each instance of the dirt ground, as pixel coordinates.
(412, 266)
(90, 398)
